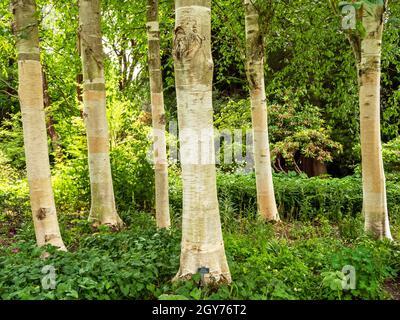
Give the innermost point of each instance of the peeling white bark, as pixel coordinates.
(202, 242)
(30, 92)
(255, 74)
(374, 186)
(103, 209)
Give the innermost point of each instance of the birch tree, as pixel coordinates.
(255, 75)
(30, 92)
(202, 247)
(103, 209)
(158, 116)
(364, 28)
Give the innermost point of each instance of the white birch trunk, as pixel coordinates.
(30, 92)
(202, 243)
(255, 74)
(103, 210)
(374, 186)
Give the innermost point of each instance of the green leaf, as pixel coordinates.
(172, 297)
(196, 293)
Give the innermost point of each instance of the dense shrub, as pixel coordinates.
(391, 155)
(133, 174)
(12, 141)
(295, 129)
(298, 197)
(14, 197)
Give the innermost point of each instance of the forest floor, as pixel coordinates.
(286, 260)
(392, 286)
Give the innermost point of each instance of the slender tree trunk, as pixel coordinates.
(374, 186)
(202, 243)
(33, 119)
(51, 130)
(79, 76)
(158, 116)
(255, 74)
(103, 209)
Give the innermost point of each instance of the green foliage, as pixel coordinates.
(14, 198)
(12, 141)
(300, 259)
(282, 261)
(233, 114)
(70, 172)
(132, 171)
(8, 72)
(130, 145)
(303, 47)
(98, 270)
(298, 129)
(312, 102)
(358, 4)
(391, 77)
(391, 155)
(133, 175)
(233, 119)
(229, 47)
(295, 130)
(297, 197)
(71, 184)
(369, 260)
(312, 144)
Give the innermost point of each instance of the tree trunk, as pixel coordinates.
(51, 130)
(312, 167)
(158, 116)
(374, 186)
(202, 243)
(33, 119)
(79, 80)
(103, 210)
(255, 74)
(79, 76)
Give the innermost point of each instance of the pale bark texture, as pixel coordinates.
(30, 92)
(255, 74)
(103, 210)
(374, 186)
(158, 117)
(202, 243)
